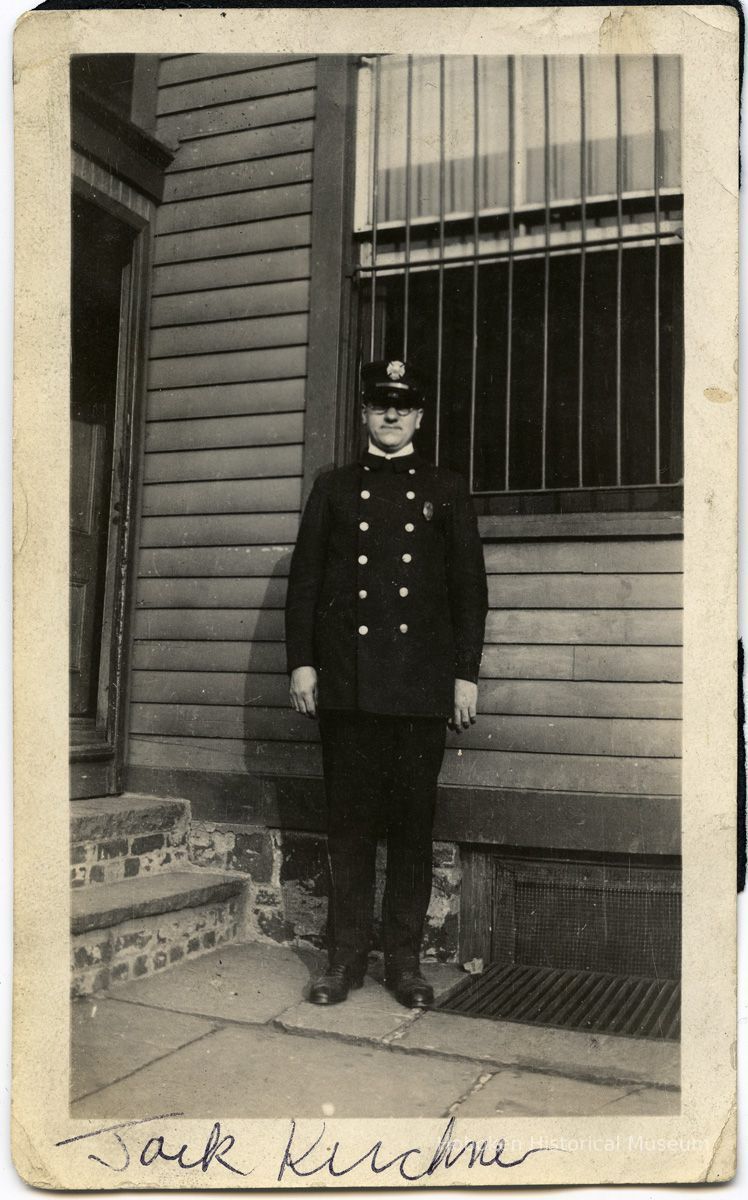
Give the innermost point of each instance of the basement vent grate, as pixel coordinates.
(588, 1001)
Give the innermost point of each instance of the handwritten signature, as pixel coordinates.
(299, 1156)
(216, 1149)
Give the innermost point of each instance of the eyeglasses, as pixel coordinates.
(402, 410)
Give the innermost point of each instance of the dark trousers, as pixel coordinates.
(380, 780)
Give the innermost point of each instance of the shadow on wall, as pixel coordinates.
(283, 846)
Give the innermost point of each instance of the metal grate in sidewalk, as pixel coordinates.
(588, 1001)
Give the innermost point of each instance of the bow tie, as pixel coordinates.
(376, 462)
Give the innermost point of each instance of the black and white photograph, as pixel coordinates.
(377, 477)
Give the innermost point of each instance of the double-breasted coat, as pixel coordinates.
(387, 594)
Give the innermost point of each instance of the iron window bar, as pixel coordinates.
(582, 261)
(546, 267)
(510, 271)
(476, 242)
(656, 166)
(517, 223)
(619, 261)
(440, 301)
(375, 201)
(408, 155)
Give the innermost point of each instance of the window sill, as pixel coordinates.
(525, 527)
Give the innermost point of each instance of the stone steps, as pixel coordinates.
(122, 837)
(138, 905)
(102, 907)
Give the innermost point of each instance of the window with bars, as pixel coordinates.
(519, 234)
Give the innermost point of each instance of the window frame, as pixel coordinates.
(332, 430)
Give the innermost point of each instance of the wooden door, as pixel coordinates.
(91, 438)
(101, 301)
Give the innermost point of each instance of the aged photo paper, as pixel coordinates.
(395, 350)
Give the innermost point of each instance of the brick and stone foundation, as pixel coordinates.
(111, 847)
(288, 884)
(145, 945)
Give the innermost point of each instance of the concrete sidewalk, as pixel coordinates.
(231, 1034)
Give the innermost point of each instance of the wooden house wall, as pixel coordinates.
(224, 433)
(580, 688)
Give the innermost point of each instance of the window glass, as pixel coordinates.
(519, 235)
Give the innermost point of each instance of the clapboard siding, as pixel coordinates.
(270, 690)
(227, 377)
(224, 529)
(239, 271)
(280, 495)
(269, 141)
(596, 557)
(260, 591)
(524, 663)
(243, 334)
(231, 400)
(580, 686)
(610, 627)
(210, 67)
(227, 367)
(242, 462)
(565, 772)
(239, 114)
(237, 87)
(213, 433)
(167, 656)
(606, 627)
(215, 561)
(222, 496)
(584, 591)
(544, 698)
(520, 734)
(237, 177)
(221, 304)
(209, 624)
(235, 209)
(227, 240)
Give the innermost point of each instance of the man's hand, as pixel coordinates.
(304, 691)
(466, 700)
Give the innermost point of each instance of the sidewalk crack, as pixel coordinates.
(395, 1034)
(151, 1062)
(478, 1086)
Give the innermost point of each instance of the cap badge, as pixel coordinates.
(428, 509)
(395, 370)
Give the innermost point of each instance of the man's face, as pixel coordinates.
(390, 421)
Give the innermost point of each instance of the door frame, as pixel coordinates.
(97, 755)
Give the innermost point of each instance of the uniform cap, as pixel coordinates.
(395, 377)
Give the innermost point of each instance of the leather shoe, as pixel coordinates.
(334, 986)
(410, 988)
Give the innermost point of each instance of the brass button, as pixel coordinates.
(363, 559)
(403, 591)
(409, 527)
(411, 495)
(403, 628)
(406, 558)
(365, 495)
(363, 594)
(363, 525)
(363, 630)
(411, 470)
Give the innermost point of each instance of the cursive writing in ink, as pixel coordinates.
(447, 1154)
(217, 1147)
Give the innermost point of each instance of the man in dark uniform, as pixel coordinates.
(385, 618)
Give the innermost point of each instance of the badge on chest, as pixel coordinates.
(428, 509)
